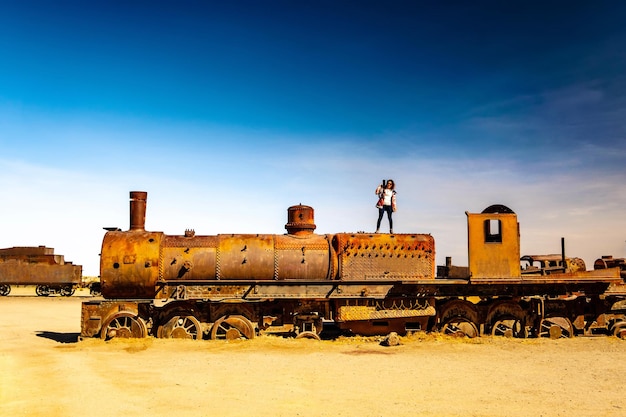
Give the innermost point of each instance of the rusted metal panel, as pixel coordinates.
(308, 257)
(214, 291)
(609, 276)
(188, 257)
(37, 266)
(393, 257)
(245, 257)
(356, 313)
(494, 244)
(262, 290)
(609, 261)
(549, 264)
(129, 264)
(95, 313)
(254, 257)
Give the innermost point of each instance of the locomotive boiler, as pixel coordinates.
(240, 285)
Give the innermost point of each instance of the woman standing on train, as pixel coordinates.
(386, 202)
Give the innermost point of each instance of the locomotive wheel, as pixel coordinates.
(181, 327)
(556, 328)
(619, 330)
(231, 328)
(308, 335)
(460, 327)
(94, 289)
(67, 291)
(5, 289)
(42, 290)
(125, 326)
(509, 328)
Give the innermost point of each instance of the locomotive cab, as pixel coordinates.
(493, 243)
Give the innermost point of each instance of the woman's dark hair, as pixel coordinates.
(393, 184)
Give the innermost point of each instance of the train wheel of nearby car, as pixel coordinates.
(556, 328)
(461, 327)
(509, 327)
(5, 289)
(124, 325)
(94, 289)
(232, 327)
(42, 290)
(181, 327)
(67, 291)
(308, 335)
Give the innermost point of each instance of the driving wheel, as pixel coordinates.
(308, 335)
(232, 327)
(181, 327)
(556, 328)
(460, 327)
(509, 328)
(125, 326)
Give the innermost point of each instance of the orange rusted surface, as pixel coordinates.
(493, 243)
(400, 257)
(608, 261)
(129, 264)
(37, 266)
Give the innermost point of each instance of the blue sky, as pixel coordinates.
(227, 113)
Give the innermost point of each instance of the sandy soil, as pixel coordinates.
(45, 371)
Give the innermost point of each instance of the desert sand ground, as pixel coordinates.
(46, 371)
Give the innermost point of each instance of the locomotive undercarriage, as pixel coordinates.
(308, 310)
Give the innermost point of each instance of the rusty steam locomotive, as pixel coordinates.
(231, 286)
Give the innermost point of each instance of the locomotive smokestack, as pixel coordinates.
(138, 210)
(300, 220)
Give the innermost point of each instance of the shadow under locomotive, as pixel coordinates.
(232, 286)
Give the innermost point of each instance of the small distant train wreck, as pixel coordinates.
(39, 266)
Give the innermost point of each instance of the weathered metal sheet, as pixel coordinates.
(386, 257)
(494, 244)
(95, 313)
(254, 291)
(308, 257)
(37, 266)
(129, 264)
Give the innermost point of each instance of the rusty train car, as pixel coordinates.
(38, 266)
(231, 286)
(608, 261)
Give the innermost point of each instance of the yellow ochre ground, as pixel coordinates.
(44, 371)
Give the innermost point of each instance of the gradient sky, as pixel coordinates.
(227, 113)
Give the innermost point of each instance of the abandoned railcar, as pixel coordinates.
(38, 266)
(300, 283)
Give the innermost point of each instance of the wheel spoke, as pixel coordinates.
(181, 327)
(461, 327)
(556, 328)
(511, 327)
(124, 325)
(232, 327)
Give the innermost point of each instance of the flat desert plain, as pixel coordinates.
(46, 371)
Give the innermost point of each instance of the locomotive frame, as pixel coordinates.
(300, 283)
